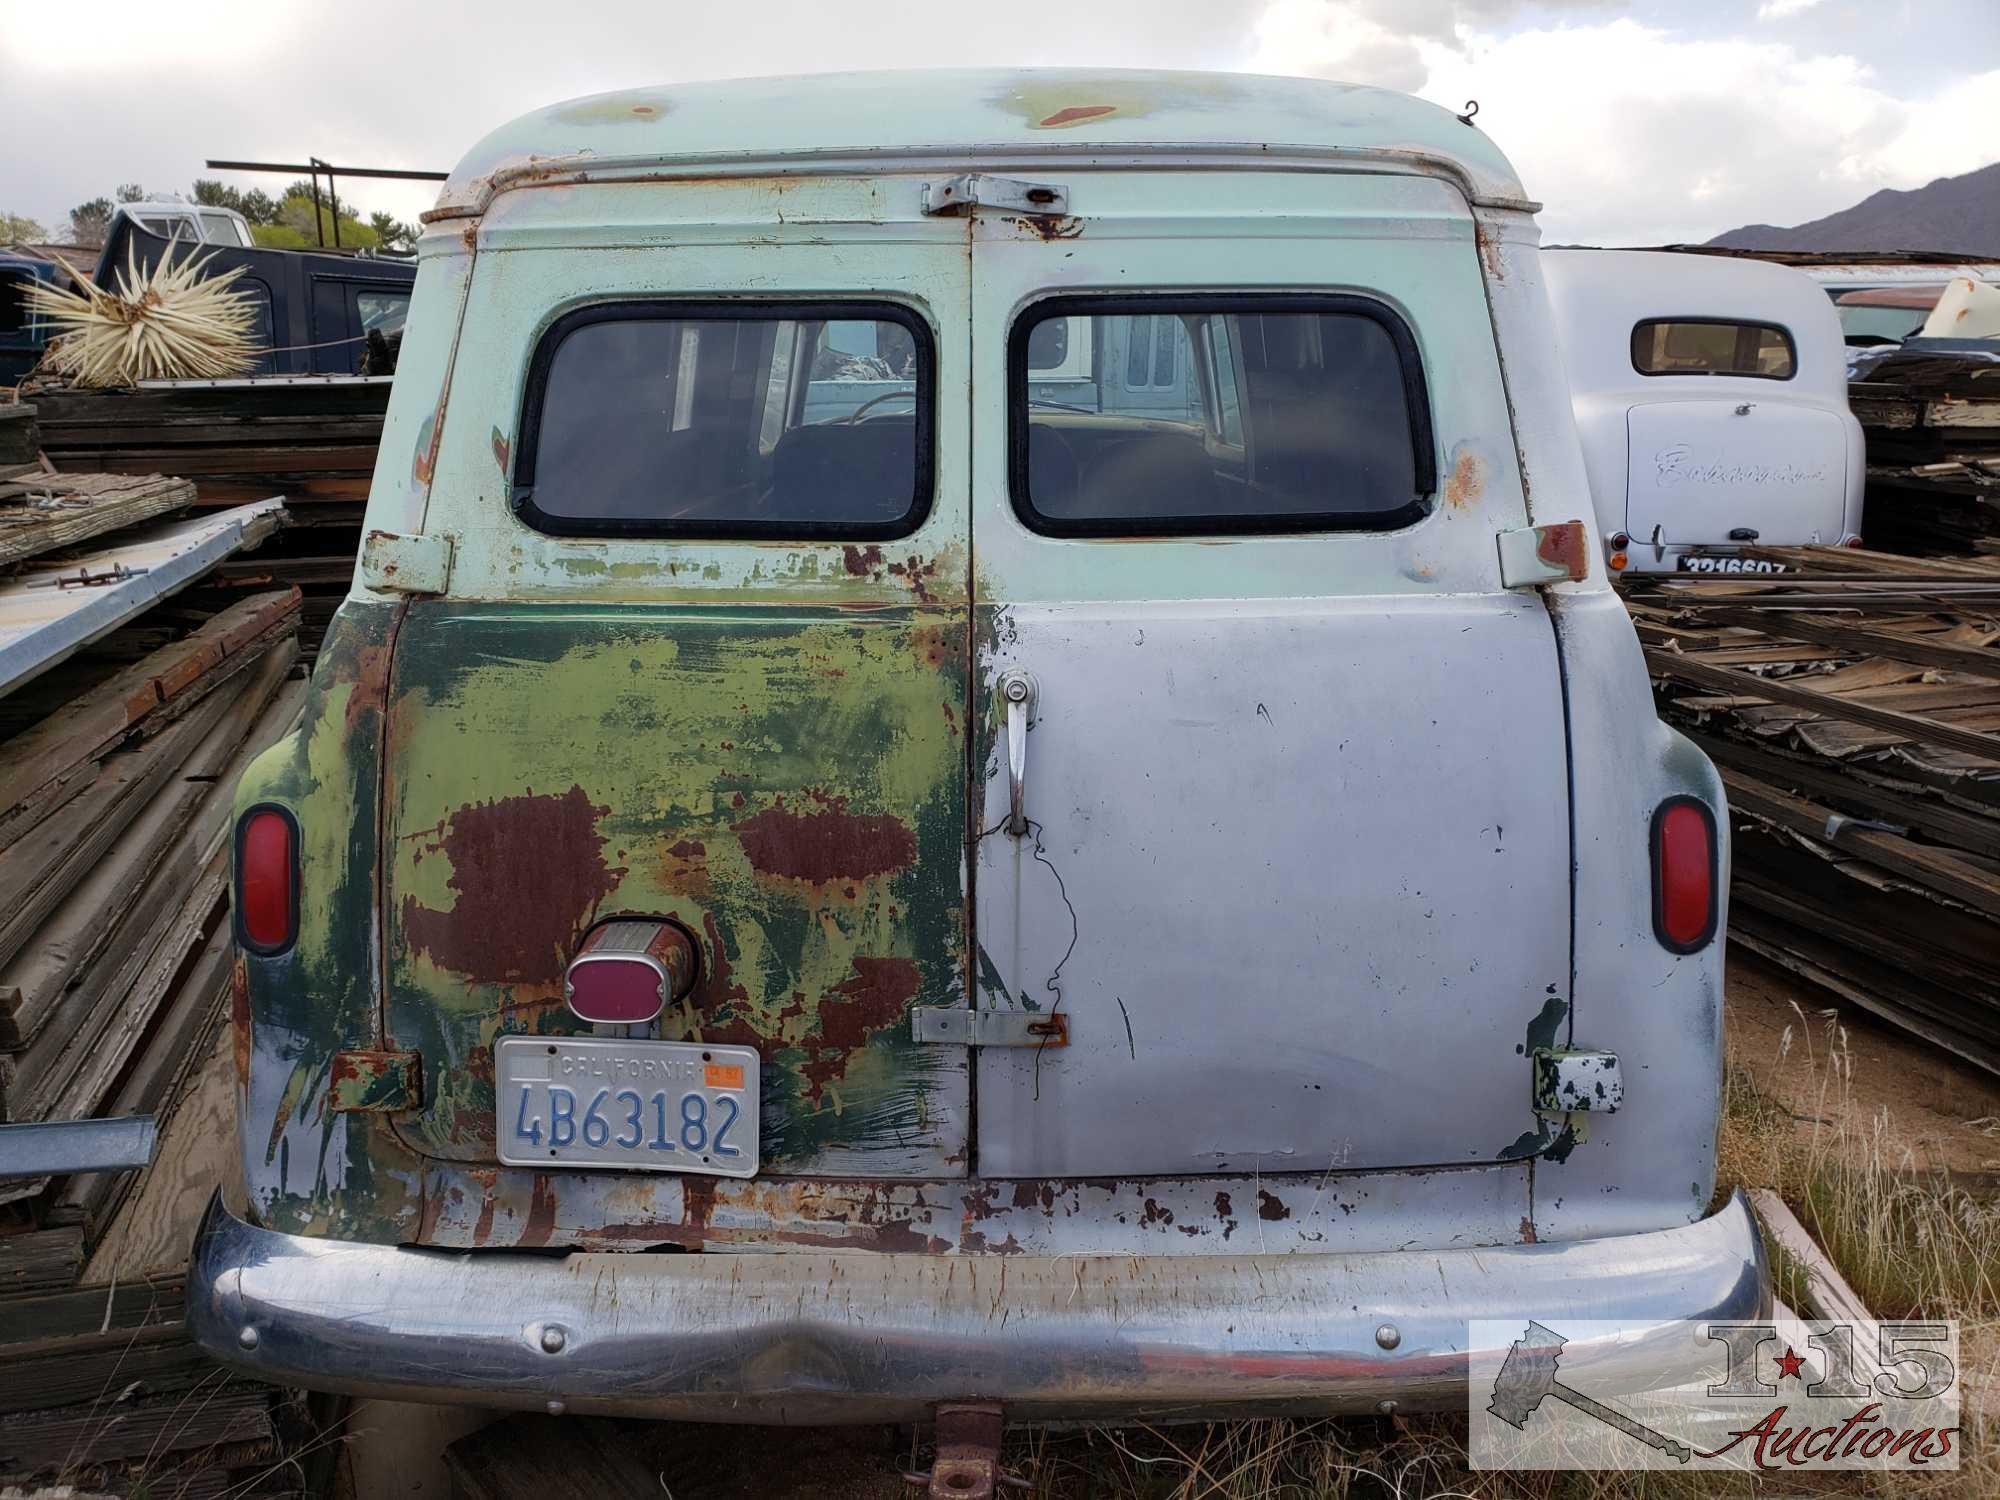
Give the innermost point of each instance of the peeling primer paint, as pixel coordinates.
(488, 1208)
(787, 783)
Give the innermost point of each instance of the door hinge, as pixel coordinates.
(1569, 1081)
(989, 1028)
(973, 190)
(369, 1082)
(1533, 556)
(394, 564)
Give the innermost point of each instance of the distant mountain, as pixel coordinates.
(1956, 214)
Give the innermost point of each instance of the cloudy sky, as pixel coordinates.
(1636, 121)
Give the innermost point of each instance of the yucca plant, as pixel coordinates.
(167, 323)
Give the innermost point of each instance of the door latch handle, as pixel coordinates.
(1019, 694)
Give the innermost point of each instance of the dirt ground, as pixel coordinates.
(1945, 1114)
(1916, 1104)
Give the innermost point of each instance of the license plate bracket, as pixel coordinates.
(628, 1104)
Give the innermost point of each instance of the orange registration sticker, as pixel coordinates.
(723, 1075)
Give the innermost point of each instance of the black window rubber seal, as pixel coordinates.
(1416, 400)
(763, 310)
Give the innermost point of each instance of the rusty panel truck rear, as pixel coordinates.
(979, 750)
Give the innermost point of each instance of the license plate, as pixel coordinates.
(638, 1106)
(1697, 562)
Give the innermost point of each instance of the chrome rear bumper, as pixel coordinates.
(811, 1336)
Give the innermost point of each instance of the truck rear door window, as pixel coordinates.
(1181, 415)
(1712, 346)
(729, 420)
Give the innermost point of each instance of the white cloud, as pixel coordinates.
(1632, 134)
(1784, 10)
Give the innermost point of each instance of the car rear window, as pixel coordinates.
(1712, 346)
(729, 420)
(1180, 415)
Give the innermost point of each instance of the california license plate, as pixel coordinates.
(638, 1106)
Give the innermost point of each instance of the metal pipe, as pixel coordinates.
(287, 166)
(61, 1148)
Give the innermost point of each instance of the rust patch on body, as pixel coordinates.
(1075, 114)
(1489, 252)
(1049, 226)
(1467, 482)
(1527, 1230)
(825, 842)
(239, 1019)
(870, 1000)
(529, 873)
(541, 1212)
(502, 451)
(1271, 1209)
(862, 562)
(1564, 546)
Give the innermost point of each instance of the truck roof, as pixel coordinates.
(947, 120)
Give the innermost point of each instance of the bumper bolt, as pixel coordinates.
(1388, 1336)
(556, 1408)
(553, 1340)
(1386, 1408)
(247, 1339)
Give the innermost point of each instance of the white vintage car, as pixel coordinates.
(1711, 399)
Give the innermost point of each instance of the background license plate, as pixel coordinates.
(639, 1106)
(1702, 562)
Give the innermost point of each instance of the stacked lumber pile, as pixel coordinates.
(1853, 709)
(1931, 421)
(134, 694)
(311, 439)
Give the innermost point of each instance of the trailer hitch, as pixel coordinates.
(968, 1454)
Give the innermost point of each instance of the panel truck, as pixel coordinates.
(828, 874)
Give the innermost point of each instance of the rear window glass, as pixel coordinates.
(1705, 346)
(1201, 414)
(729, 420)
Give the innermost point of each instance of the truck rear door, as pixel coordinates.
(712, 667)
(1293, 856)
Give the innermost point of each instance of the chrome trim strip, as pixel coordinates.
(808, 1336)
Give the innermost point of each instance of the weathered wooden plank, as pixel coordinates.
(1932, 868)
(41, 868)
(1974, 661)
(1938, 820)
(1744, 684)
(40, 1260)
(154, 861)
(81, 506)
(114, 1430)
(152, 1229)
(139, 699)
(89, 1310)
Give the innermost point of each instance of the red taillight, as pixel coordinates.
(267, 880)
(626, 970)
(1684, 874)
